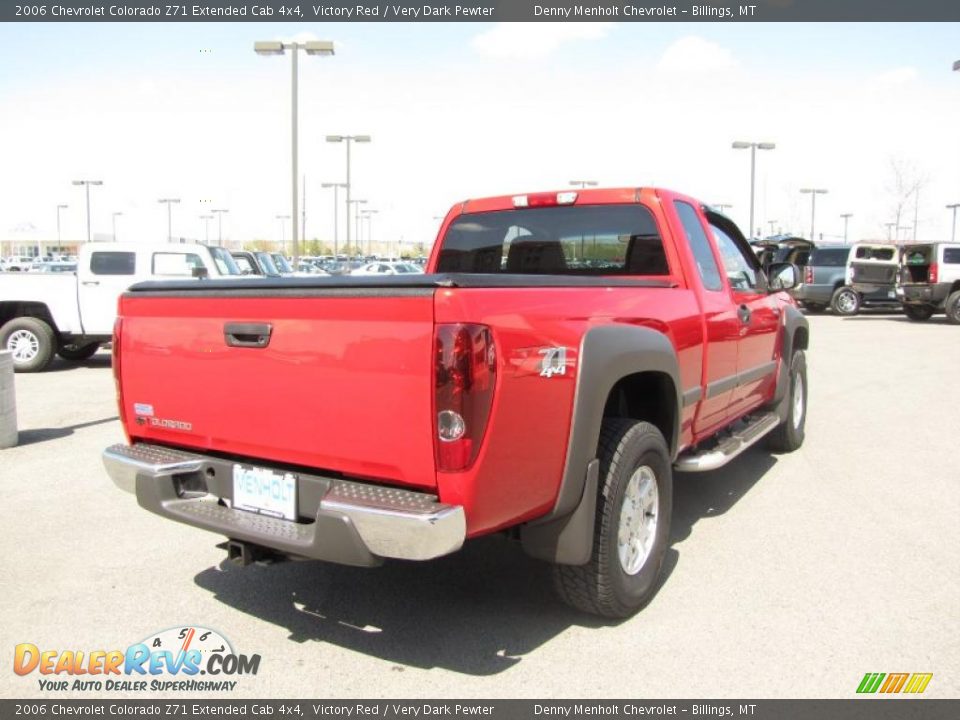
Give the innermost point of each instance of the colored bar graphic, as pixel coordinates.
(914, 683)
(918, 682)
(870, 682)
(894, 682)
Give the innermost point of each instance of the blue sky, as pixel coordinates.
(464, 109)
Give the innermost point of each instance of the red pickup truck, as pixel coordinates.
(564, 352)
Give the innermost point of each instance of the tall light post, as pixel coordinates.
(115, 216)
(954, 206)
(206, 228)
(169, 202)
(356, 209)
(813, 192)
(583, 183)
(723, 207)
(890, 226)
(348, 139)
(219, 212)
(275, 47)
(846, 221)
(336, 203)
(283, 234)
(59, 241)
(772, 223)
(753, 146)
(88, 183)
(368, 216)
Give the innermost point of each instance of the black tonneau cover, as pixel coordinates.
(388, 285)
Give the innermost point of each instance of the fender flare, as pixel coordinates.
(607, 354)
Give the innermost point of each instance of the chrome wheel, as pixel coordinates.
(847, 302)
(24, 345)
(637, 528)
(797, 401)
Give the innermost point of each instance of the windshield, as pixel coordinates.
(865, 252)
(224, 261)
(281, 262)
(560, 240)
(266, 263)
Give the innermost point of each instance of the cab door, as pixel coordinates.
(103, 278)
(758, 317)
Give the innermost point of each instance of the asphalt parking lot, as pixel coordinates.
(788, 576)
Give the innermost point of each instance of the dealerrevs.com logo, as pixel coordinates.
(178, 659)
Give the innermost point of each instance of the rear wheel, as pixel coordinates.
(31, 342)
(77, 352)
(788, 435)
(632, 524)
(952, 306)
(845, 301)
(918, 313)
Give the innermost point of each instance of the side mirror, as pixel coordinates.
(783, 276)
(200, 273)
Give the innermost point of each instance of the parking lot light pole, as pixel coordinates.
(59, 208)
(753, 146)
(115, 216)
(206, 228)
(583, 183)
(368, 216)
(283, 234)
(846, 221)
(356, 210)
(88, 183)
(890, 227)
(169, 202)
(722, 207)
(813, 192)
(219, 212)
(313, 47)
(954, 206)
(336, 203)
(348, 139)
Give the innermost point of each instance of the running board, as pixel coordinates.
(729, 447)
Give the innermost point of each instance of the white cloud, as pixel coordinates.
(694, 54)
(532, 41)
(897, 76)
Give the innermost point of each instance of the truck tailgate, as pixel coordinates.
(342, 385)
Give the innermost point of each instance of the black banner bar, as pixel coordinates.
(872, 708)
(480, 10)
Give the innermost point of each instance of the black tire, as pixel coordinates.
(77, 353)
(845, 302)
(603, 586)
(918, 313)
(788, 435)
(32, 341)
(952, 307)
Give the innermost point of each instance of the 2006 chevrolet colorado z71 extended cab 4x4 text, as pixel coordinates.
(563, 354)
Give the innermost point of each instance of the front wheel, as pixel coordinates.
(918, 313)
(632, 525)
(952, 306)
(30, 341)
(788, 435)
(845, 301)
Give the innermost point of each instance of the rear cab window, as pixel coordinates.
(951, 255)
(591, 240)
(829, 257)
(104, 262)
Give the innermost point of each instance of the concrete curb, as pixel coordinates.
(8, 402)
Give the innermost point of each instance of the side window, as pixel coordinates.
(951, 256)
(177, 264)
(740, 271)
(113, 263)
(700, 244)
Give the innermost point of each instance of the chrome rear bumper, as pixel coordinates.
(340, 520)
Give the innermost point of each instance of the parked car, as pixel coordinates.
(17, 263)
(825, 284)
(386, 268)
(70, 315)
(930, 281)
(873, 272)
(54, 267)
(500, 392)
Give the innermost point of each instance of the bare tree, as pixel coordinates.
(904, 186)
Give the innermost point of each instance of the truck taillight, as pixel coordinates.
(465, 373)
(115, 363)
(546, 199)
(808, 275)
(932, 273)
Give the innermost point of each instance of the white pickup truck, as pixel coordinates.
(71, 314)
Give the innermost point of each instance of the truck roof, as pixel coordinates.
(586, 196)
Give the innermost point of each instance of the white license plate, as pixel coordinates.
(891, 294)
(265, 491)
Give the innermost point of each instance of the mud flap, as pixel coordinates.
(567, 540)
